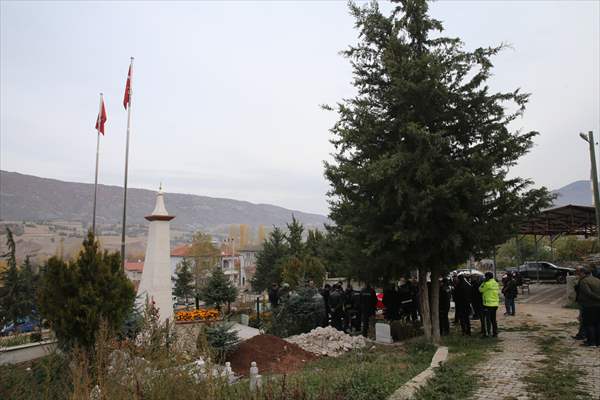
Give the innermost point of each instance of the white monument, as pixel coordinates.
(156, 277)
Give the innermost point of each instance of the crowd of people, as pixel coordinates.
(476, 298)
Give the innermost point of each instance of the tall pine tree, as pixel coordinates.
(76, 297)
(420, 172)
(184, 282)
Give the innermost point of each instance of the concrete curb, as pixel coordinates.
(26, 352)
(408, 390)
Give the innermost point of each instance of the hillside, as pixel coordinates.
(578, 193)
(26, 197)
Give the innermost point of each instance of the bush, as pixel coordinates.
(402, 330)
(301, 312)
(221, 339)
(264, 323)
(76, 296)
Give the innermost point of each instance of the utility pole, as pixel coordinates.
(590, 140)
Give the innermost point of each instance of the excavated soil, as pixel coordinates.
(272, 355)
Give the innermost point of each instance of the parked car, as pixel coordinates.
(464, 271)
(543, 270)
(22, 326)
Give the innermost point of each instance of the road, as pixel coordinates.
(544, 294)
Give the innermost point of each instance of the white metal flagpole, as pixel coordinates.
(129, 103)
(98, 124)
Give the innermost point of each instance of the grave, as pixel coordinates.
(383, 333)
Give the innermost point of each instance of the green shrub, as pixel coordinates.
(221, 339)
(402, 330)
(301, 312)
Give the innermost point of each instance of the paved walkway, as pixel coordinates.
(501, 374)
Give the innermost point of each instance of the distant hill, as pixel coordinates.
(26, 197)
(577, 193)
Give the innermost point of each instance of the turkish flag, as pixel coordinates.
(127, 98)
(101, 120)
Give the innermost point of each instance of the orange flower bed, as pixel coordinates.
(196, 315)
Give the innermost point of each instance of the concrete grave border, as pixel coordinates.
(408, 390)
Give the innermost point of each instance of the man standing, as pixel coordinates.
(489, 289)
(589, 299)
(444, 307)
(336, 304)
(462, 304)
(274, 296)
(509, 290)
(368, 302)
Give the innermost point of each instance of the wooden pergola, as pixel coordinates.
(559, 221)
(556, 222)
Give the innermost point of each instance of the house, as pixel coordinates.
(178, 254)
(133, 270)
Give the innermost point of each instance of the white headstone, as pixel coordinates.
(383, 333)
(254, 377)
(245, 319)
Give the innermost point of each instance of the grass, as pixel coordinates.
(523, 328)
(14, 340)
(455, 379)
(371, 373)
(555, 379)
(46, 378)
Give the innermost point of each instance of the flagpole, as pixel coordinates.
(126, 165)
(97, 158)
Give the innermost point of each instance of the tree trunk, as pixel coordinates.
(435, 305)
(424, 302)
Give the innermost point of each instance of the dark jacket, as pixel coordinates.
(462, 294)
(273, 296)
(589, 292)
(368, 301)
(336, 300)
(444, 305)
(510, 289)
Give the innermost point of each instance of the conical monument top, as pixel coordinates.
(160, 211)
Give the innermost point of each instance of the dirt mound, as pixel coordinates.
(272, 355)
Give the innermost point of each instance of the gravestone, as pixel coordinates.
(254, 376)
(383, 333)
(245, 319)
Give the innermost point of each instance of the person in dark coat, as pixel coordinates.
(390, 301)
(509, 290)
(589, 299)
(477, 300)
(444, 307)
(336, 303)
(325, 293)
(368, 303)
(274, 295)
(462, 301)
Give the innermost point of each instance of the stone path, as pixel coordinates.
(588, 359)
(501, 375)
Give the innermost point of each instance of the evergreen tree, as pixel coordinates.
(420, 174)
(294, 238)
(29, 282)
(218, 290)
(13, 305)
(268, 261)
(184, 283)
(76, 297)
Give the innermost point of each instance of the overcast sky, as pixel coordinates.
(226, 94)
